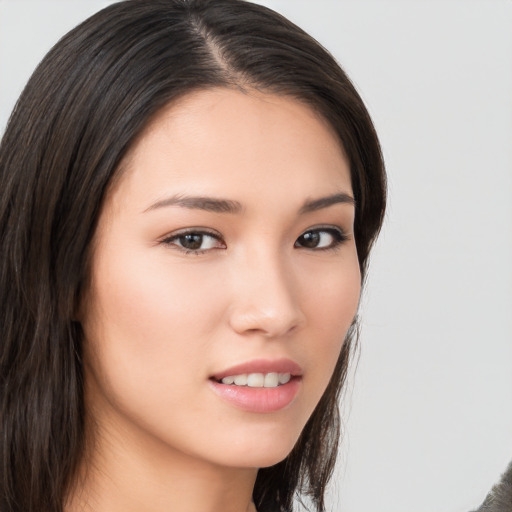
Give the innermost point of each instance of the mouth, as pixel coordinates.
(259, 386)
(260, 373)
(257, 380)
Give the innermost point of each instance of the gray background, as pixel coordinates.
(429, 419)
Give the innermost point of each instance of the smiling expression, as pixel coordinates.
(224, 250)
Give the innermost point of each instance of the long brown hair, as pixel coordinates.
(80, 112)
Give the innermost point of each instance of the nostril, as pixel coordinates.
(270, 325)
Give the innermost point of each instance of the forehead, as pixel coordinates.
(223, 141)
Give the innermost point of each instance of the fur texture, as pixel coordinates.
(499, 498)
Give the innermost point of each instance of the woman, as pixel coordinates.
(189, 194)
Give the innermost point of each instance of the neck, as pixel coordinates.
(124, 473)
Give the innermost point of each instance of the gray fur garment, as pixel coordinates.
(500, 497)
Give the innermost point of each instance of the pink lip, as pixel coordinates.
(261, 366)
(259, 400)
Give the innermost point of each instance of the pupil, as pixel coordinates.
(191, 241)
(310, 239)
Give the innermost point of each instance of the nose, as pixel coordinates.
(266, 299)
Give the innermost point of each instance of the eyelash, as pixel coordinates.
(171, 240)
(337, 234)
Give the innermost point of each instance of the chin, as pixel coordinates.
(261, 451)
(265, 460)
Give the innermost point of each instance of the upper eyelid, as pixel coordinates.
(186, 231)
(326, 227)
(337, 235)
(219, 236)
(169, 240)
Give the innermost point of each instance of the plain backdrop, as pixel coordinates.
(429, 419)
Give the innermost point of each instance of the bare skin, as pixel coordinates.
(185, 288)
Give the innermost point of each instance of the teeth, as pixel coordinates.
(255, 380)
(284, 378)
(241, 380)
(271, 380)
(258, 380)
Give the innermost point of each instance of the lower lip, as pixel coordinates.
(259, 400)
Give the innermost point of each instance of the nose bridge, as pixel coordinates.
(265, 299)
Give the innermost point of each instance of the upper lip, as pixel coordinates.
(261, 366)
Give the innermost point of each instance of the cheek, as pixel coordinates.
(331, 311)
(333, 297)
(147, 322)
(148, 292)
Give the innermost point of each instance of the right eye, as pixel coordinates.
(196, 242)
(321, 238)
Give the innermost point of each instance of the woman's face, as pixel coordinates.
(225, 250)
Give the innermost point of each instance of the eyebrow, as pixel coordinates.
(209, 204)
(218, 205)
(324, 202)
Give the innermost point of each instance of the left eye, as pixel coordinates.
(321, 238)
(195, 241)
